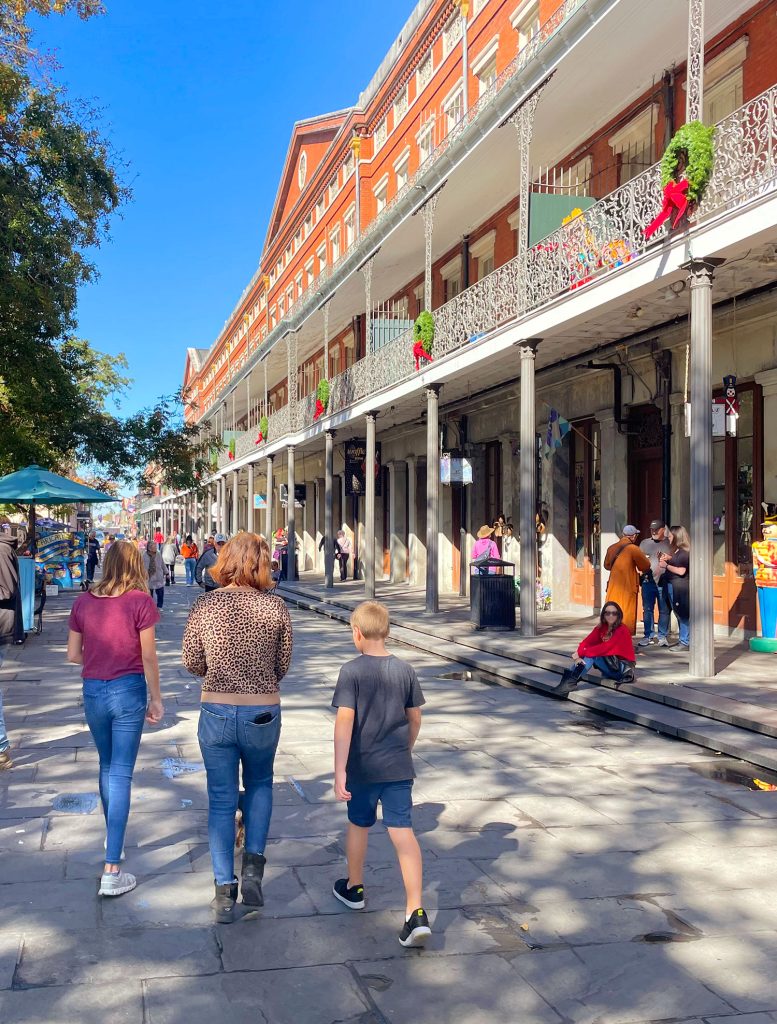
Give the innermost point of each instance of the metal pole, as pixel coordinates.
(528, 504)
(329, 546)
(291, 560)
(369, 510)
(702, 654)
(428, 215)
(268, 507)
(250, 509)
(694, 100)
(432, 496)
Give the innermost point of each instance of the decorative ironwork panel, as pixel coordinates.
(428, 214)
(279, 424)
(694, 100)
(305, 408)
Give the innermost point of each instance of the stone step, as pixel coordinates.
(636, 704)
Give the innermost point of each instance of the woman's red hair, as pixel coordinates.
(244, 561)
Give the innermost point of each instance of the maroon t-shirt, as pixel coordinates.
(111, 628)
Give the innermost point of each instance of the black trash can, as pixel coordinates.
(492, 595)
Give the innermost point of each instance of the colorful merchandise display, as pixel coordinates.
(765, 571)
(61, 557)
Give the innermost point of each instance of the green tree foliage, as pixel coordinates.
(59, 187)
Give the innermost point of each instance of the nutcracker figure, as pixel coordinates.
(765, 571)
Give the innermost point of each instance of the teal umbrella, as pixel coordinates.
(37, 486)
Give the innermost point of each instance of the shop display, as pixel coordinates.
(765, 569)
(61, 558)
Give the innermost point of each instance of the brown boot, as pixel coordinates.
(223, 903)
(5, 760)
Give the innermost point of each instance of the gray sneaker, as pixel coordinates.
(662, 642)
(646, 641)
(118, 884)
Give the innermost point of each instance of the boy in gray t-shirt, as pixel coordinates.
(378, 703)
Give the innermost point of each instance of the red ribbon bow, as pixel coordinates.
(675, 198)
(259, 438)
(320, 409)
(419, 353)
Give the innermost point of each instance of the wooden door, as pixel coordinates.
(645, 467)
(737, 467)
(456, 493)
(585, 510)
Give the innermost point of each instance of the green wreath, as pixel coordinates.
(323, 391)
(423, 331)
(694, 140)
(263, 425)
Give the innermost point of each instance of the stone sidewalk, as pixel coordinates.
(577, 869)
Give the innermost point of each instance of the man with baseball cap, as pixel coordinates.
(626, 564)
(654, 586)
(206, 561)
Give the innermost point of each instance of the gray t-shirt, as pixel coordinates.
(379, 690)
(653, 548)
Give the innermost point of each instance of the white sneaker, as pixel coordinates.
(662, 642)
(118, 884)
(646, 641)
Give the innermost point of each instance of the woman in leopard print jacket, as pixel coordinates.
(239, 640)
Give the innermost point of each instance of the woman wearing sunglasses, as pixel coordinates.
(609, 648)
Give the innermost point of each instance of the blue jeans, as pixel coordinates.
(189, 564)
(683, 625)
(604, 668)
(653, 592)
(4, 744)
(229, 737)
(115, 710)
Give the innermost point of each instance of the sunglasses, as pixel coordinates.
(611, 615)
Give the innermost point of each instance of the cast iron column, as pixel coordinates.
(250, 506)
(528, 501)
(291, 575)
(268, 507)
(369, 510)
(329, 546)
(702, 654)
(235, 491)
(432, 497)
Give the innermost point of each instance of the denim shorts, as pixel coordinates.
(395, 798)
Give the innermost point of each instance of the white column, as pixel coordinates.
(528, 490)
(412, 524)
(369, 510)
(291, 523)
(432, 497)
(250, 508)
(702, 656)
(613, 464)
(268, 509)
(328, 510)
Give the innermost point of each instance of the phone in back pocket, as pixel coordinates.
(264, 718)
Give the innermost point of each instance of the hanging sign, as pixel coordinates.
(732, 404)
(455, 470)
(260, 501)
(718, 417)
(355, 465)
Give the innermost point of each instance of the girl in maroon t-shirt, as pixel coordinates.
(609, 648)
(112, 637)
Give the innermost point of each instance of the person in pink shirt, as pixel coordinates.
(112, 636)
(484, 547)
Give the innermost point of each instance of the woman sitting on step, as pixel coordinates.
(609, 648)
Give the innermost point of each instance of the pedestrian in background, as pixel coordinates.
(11, 625)
(190, 553)
(238, 639)
(170, 552)
(155, 570)
(159, 537)
(206, 561)
(655, 589)
(93, 554)
(378, 701)
(626, 564)
(484, 547)
(111, 636)
(677, 566)
(343, 554)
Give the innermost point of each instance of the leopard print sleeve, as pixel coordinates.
(285, 644)
(193, 649)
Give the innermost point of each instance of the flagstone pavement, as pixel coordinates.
(577, 869)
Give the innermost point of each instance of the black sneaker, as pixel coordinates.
(352, 896)
(416, 930)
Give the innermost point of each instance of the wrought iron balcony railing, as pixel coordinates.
(607, 236)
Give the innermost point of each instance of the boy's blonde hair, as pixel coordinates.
(371, 618)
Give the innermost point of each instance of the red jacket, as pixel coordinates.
(620, 644)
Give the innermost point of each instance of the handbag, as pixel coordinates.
(613, 662)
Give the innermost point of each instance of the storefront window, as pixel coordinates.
(736, 491)
(718, 506)
(587, 490)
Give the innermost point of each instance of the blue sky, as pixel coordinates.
(199, 98)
